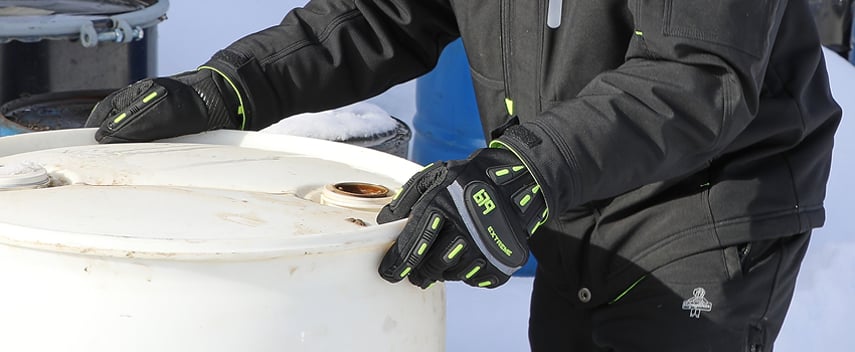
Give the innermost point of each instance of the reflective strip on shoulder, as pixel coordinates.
(553, 13)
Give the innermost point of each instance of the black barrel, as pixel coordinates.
(68, 45)
(48, 111)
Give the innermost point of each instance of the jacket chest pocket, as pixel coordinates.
(742, 25)
(480, 26)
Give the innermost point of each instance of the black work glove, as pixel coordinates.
(164, 107)
(469, 220)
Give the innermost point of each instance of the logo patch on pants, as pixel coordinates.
(698, 303)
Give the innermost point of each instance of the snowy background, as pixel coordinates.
(823, 309)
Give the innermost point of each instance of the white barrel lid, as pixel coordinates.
(213, 194)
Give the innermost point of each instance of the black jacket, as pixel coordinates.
(656, 128)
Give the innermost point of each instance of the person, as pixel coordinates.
(664, 161)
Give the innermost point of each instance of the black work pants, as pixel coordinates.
(697, 303)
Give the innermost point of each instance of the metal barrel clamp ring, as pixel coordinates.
(120, 31)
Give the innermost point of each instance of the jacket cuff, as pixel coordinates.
(261, 107)
(513, 146)
(237, 96)
(545, 163)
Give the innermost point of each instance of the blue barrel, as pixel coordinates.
(8, 128)
(446, 125)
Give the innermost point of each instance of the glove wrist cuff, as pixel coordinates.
(498, 144)
(231, 95)
(261, 105)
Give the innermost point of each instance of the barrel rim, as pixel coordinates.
(113, 245)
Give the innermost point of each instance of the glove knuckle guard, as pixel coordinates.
(413, 190)
(479, 212)
(412, 247)
(163, 107)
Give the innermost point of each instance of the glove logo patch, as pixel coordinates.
(491, 229)
(483, 200)
(502, 246)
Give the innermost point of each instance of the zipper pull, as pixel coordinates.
(509, 105)
(553, 14)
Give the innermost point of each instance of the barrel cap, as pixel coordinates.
(22, 176)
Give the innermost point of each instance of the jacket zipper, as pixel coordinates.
(505, 42)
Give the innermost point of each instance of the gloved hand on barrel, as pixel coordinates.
(164, 107)
(469, 220)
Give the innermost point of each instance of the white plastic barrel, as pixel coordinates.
(212, 242)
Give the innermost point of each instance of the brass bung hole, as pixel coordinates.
(361, 190)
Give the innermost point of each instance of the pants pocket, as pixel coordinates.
(754, 254)
(713, 266)
(757, 339)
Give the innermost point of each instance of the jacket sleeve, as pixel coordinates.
(334, 52)
(690, 84)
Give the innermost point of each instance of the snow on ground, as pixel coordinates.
(819, 319)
